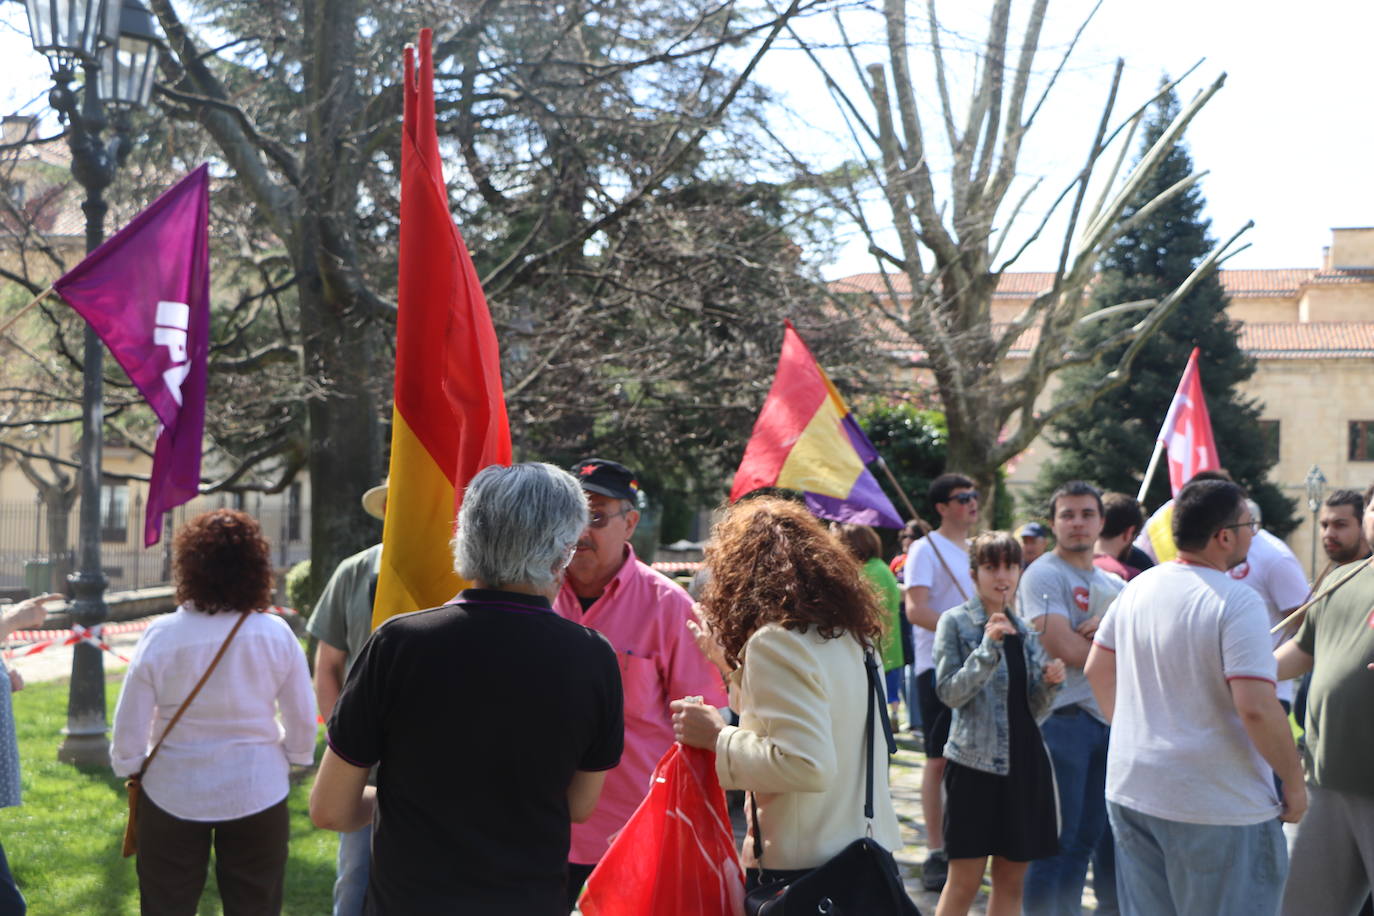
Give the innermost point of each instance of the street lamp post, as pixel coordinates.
(1315, 483)
(115, 46)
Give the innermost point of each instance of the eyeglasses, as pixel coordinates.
(1253, 525)
(970, 496)
(602, 519)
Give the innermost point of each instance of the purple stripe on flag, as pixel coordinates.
(865, 505)
(867, 453)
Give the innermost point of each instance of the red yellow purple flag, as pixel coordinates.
(807, 439)
(449, 415)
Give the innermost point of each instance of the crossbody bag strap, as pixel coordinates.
(877, 702)
(243, 615)
(949, 572)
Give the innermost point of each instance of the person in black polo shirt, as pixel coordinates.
(471, 814)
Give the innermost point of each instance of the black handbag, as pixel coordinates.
(862, 879)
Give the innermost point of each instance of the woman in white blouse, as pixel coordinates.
(789, 614)
(221, 775)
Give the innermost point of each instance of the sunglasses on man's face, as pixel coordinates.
(597, 519)
(964, 499)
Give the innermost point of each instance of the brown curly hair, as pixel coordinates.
(221, 562)
(772, 562)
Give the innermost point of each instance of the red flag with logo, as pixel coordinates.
(1187, 430)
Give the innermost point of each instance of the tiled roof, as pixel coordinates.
(1010, 285)
(1262, 340)
(1239, 284)
(1308, 340)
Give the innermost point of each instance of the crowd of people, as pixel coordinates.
(1098, 693)
(1150, 662)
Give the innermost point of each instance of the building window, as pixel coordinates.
(1362, 440)
(1269, 435)
(293, 512)
(114, 513)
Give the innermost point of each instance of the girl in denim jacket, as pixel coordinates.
(991, 670)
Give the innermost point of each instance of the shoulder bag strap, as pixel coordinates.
(243, 615)
(949, 572)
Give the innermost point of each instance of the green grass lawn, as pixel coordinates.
(63, 843)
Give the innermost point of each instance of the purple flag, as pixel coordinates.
(146, 292)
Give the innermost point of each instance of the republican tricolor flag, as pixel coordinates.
(449, 415)
(1187, 431)
(806, 439)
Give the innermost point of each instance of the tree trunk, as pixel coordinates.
(346, 440)
(968, 454)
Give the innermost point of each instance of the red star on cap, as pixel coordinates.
(586, 469)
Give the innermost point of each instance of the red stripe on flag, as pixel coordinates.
(797, 393)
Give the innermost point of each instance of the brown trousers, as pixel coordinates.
(174, 855)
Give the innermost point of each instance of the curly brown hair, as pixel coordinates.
(772, 562)
(221, 562)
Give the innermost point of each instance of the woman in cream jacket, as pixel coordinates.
(786, 615)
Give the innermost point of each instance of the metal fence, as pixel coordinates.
(27, 560)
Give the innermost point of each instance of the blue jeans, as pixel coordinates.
(913, 709)
(1078, 749)
(355, 863)
(1168, 868)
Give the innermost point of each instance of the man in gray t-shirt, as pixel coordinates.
(1063, 595)
(342, 622)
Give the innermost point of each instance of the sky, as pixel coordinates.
(1287, 141)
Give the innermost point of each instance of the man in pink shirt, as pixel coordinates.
(644, 616)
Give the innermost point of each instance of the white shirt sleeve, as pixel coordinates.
(920, 565)
(1246, 648)
(296, 704)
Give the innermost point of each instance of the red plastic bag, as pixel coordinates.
(676, 855)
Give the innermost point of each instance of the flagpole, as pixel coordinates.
(1150, 471)
(1315, 598)
(25, 310)
(902, 493)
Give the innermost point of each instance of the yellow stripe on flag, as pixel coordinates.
(419, 525)
(823, 461)
(1161, 532)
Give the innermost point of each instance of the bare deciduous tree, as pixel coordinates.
(950, 239)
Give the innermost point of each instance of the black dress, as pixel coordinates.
(1014, 816)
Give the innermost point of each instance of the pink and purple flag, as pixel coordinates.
(807, 439)
(146, 293)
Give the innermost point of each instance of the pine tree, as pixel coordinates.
(1110, 443)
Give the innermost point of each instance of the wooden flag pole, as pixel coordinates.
(1150, 471)
(22, 312)
(902, 493)
(1328, 590)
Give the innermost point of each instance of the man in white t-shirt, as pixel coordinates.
(937, 578)
(1182, 666)
(1276, 575)
(1064, 595)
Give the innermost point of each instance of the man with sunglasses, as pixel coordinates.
(644, 615)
